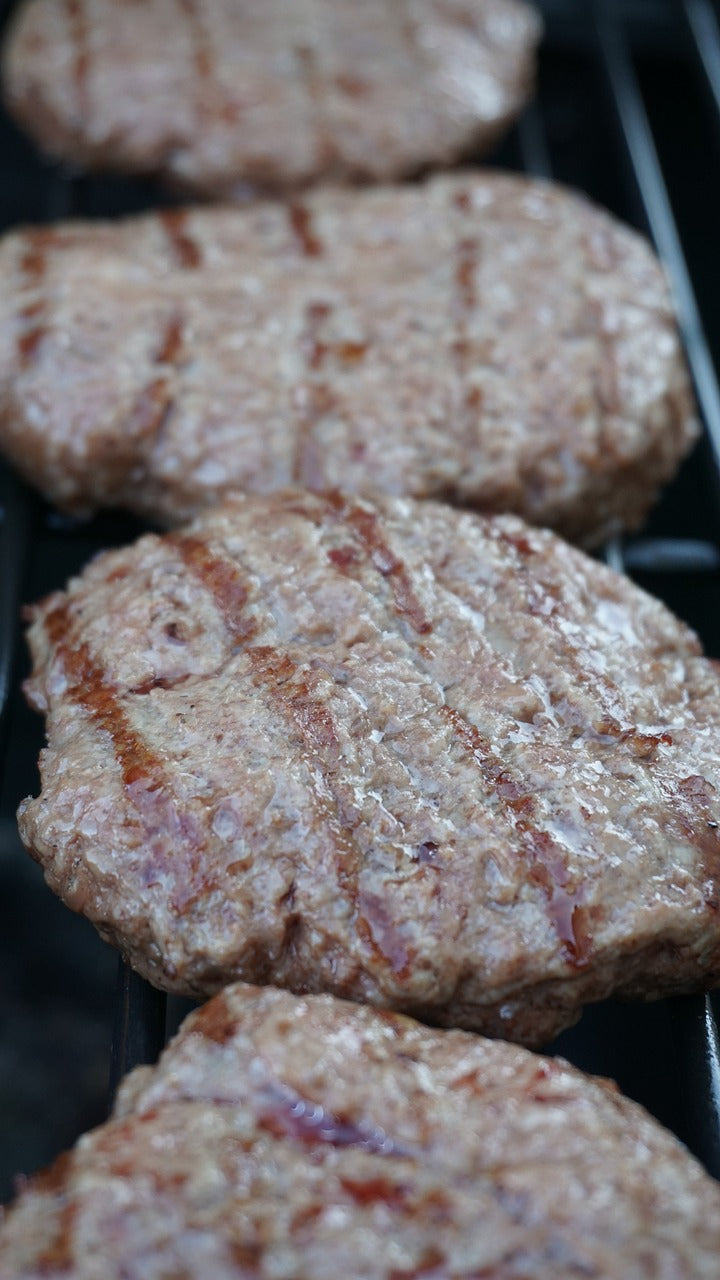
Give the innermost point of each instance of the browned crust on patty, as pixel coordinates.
(308, 1137)
(410, 756)
(491, 339)
(224, 96)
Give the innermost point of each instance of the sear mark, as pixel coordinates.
(222, 578)
(366, 528)
(301, 224)
(547, 864)
(185, 250)
(80, 65)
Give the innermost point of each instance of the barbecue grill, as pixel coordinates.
(628, 110)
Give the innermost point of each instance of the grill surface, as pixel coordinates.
(628, 110)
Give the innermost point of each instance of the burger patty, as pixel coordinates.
(311, 1138)
(216, 96)
(492, 340)
(426, 760)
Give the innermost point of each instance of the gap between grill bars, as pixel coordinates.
(142, 1016)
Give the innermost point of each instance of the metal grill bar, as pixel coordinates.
(697, 1045)
(703, 23)
(672, 555)
(139, 1033)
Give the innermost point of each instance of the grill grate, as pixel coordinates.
(629, 98)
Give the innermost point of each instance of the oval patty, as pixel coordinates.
(426, 760)
(492, 340)
(216, 96)
(315, 1139)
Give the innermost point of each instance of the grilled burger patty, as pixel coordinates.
(427, 760)
(490, 339)
(311, 1138)
(215, 96)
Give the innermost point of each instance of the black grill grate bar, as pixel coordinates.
(60, 201)
(139, 1032)
(534, 149)
(14, 546)
(650, 188)
(697, 1047)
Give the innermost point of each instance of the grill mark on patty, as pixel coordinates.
(156, 401)
(314, 397)
(33, 267)
(185, 250)
(171, 347)
(59, 1257)
(314, 349)
(216, 1021)
(90, 689)
(548, 866)
(211, 99)
(29, 340)
(150, 411)
(222, 578)
(301, 225)
(311, 717)
(317, 350)
(366, 528)
(146, 781)
(78, 29)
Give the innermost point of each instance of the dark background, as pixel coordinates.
(57, 980)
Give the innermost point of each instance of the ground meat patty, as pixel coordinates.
(426, 760)
(314, 1139)
(492, 340)
(216, 96)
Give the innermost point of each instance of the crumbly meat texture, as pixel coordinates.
(216, 97)
(410, 756)
(491, 340)
(310, 1138)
